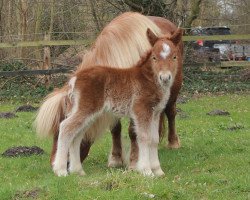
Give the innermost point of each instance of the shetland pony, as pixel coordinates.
(140, 92)
(121, 44)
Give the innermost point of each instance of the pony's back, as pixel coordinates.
(122, 42)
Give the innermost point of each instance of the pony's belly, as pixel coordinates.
(119, 109)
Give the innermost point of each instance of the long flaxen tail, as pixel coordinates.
(51, 113)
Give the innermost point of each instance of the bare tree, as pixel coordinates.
(195, 11)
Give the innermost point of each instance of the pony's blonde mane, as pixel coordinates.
(122, 42)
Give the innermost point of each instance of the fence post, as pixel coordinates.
(47, 59)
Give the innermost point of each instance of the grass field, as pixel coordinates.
(213, 162)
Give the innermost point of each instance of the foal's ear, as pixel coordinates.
(152, 38)
(177, 36)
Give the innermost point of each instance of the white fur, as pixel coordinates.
(74, 156)
(71, 83)
(165, 50)
(69, 140)
(153, 150)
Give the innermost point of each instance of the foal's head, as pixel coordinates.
(164, 55)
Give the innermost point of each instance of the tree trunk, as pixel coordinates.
(93, 11)
(195, 11)
(38, 11)
(24, 16)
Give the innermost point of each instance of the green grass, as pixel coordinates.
(213, 163)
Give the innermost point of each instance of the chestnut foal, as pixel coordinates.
(140, 92)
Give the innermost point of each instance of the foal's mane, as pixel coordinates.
(144, 58)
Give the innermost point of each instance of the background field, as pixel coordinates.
(213, 162)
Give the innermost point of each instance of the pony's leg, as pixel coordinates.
(69, 129)
(53, 151)
(116, 157)
(143, 164)
(84, 149)
(153, 151)
(133, 146)
(143, 138)
(74, 155)
(173, 139)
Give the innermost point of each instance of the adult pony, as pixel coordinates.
(121, 44)
(139, 92)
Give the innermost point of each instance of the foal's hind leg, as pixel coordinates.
(133, 146)
(116, 157)
(69, 129)
(173, 139)
(75, 165)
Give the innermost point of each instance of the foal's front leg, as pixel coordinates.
(143, 140)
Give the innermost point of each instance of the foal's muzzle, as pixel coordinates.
(165, 77)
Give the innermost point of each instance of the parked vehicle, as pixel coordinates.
(216, 50)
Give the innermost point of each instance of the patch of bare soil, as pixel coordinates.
(26, 108)
(235, 127)
(23, 151)
(7, 115)
(28, 194)
(181, 113)
(182, 100)
(218, 112)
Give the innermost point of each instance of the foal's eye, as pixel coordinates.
(154, 58)
(174, 58)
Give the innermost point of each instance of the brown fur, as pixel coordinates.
(121, 44)
(140, 92)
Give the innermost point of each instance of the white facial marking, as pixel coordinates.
(165, 50)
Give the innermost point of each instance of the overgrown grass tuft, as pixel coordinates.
(213, 162)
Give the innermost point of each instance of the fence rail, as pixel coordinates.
(69, 68)
(42, 43)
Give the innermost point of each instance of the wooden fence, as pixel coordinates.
(42, 43)
(65, 69)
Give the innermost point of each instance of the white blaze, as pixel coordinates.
(165, 51)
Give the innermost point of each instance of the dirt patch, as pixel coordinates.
(218, 112)
(181, 113)
(23, 151)
(31, 194)
(26, 108)
(7, 115)
(182, 100)
(235, 127)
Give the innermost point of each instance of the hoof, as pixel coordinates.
(60, 172)
(176, 144)
(79, 171)
(132, 165)
(147, 172)
(115, 161)
(158, 172)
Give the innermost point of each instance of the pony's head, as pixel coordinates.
(164, 55)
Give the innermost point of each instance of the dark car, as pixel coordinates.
(216, 50)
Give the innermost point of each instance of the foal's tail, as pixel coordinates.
(51, 113)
